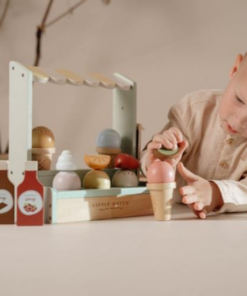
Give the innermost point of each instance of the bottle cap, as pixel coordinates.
(31, 166)
(3, 165)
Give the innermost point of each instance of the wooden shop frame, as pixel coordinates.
(21, 79)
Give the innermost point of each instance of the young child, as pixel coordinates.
(210, 128)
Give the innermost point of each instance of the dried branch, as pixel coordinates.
(4, 12)
(39, 32)
(46, 14)
(43, 26)
(65, 13)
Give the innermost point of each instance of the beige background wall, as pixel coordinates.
(169, 48)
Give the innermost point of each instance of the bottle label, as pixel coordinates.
(30, 202)
(6, 201)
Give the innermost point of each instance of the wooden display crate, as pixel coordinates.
(93, 204)
(96, 204)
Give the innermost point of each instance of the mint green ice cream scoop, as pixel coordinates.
(168, 152)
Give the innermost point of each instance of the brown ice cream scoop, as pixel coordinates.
(42, 137)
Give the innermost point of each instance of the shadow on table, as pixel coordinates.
(182, 212)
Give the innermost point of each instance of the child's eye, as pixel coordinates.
(240, 101)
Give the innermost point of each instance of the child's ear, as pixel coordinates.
(236, 65)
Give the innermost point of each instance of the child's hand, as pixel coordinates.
(200, 195)
(170, 140)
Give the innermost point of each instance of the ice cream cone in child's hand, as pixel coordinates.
(161, 176)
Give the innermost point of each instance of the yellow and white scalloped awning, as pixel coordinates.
(63, 76)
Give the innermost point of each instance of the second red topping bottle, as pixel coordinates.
(30, 198)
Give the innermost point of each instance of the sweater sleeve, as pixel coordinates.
(234, 195)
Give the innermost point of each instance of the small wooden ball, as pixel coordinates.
(125, 178)
(96, 179)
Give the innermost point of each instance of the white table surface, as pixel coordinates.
(131, 256)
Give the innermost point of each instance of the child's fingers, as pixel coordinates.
(187, 190)
(171, 137)
(153, 146)
(189, 199)
(198, 206)
(186, 174)
(164, 140)
(203, 213)
(191, 206)
(177, 134)
(182, 148)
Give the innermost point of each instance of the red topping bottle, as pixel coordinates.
(7, 193)
(30, 198)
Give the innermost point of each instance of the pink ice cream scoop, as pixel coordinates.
(161, 176)
(160, 172)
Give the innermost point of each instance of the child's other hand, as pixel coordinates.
(200, 195)
(170, 140)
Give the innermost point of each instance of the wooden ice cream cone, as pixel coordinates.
(161, 196)
(44, 157)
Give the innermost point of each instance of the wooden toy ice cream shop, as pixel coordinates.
(83, 204)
